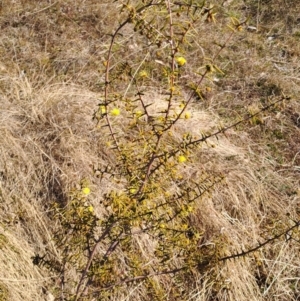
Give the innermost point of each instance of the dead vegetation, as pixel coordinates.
(51, 78)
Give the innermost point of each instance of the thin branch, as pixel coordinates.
(89, 262)
(260, 245)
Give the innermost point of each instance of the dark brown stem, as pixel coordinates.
(142, 277)
(107, 69)
(89, 262)
(260, 245)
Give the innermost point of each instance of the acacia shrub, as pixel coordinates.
(152, 197)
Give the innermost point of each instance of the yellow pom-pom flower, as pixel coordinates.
(138, 113)
(86, 191)
(187, 115)
(162, 226)
(182, 159)
(132, 190)
(90, 209)
(182, 105)
(180, 61)
(115, 112)
(143, 74)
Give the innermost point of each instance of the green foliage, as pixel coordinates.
(153, 197)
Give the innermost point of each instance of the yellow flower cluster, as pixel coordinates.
(143, 74)
(86, 191)
(180, 60)
(115, 112)
(187, 115)
(90, 209)
(182, 159)
(138, 113)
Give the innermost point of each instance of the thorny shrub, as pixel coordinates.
(152, 195)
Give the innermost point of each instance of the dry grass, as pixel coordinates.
(49, 143)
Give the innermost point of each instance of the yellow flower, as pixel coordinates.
(86, 191)
(182, 159)
(143, 74)
(138, 113)
(90, 208)
(182, 105)
(187, 115)
(190, 209)
(132, 190)
(115, 112)
(162, 226)
(180, 61)
(185, 227)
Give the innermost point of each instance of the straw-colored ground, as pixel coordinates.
(51, 70)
